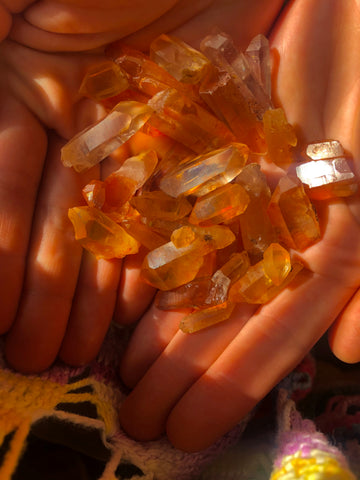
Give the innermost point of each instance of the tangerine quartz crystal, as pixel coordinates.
(100, 235)
(192, 191)
(98, 141)
(188, 122)
(104, 80)
(328, 175)
(183, 62)
(280, 137)
(293, 215)
(204, 173)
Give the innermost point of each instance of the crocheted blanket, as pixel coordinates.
(63, 424)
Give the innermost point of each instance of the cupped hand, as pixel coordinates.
(56, 299)
(196, 387)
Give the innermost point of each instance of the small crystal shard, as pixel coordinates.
(168, 267)
(220, 93)
(94, 193)
(143, 234)
(324, 150)
(257, 287)
(179, 59)
(329, 178)
(257, 232)
(104, 80)
(219, 205)
(207, 291)
(187, 122)
(95, 143)
(157, 204)
(202, 174)
(221, 50)
(293, 215)
(277, 263)
(280, 137)
(144, 74)
(100, 235)
(258, 55)
(201, 319)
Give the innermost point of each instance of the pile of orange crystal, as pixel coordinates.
(198, 125)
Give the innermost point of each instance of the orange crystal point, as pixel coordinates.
(257, 287)
(222, 52)
(219, 205)
(93, 144)
(187, 122)
(169, 267)
(157, 204)
(146, 75)
(279, 136)
(293, 215)
(257, 232)
(235, 267)
(277, 263)
(94, 193)
(258, 56)
(201, 319)
(183, 237)
(220, 93)
(143, 234)
(183, 62)
(329, 175)
(104, 80)
(324, 150)
(100, 235)
(200, 175)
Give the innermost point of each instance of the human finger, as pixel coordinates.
(344, 335)
(22, 151)
(134, 295)
(182, 362)
(91, 310)
(266, 349)
(52, 269)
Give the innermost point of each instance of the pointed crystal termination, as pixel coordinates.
(220, 205)
(187, 122)
(325, 150)
(277, 263)
(205, 318)
(220, 93)
(144, 74)
(100, 235)
(169, 267)
(104, 80)
(258, 55)
(94, 193)
(157, 204)
(143, 234)
(257, 287)
(222, 52)
(200, 175)
(257, 232)
(293, 215)
(329, 174)
(183, 62)
(280, 137)
(325, 179)
(95, 143)
(207, 291)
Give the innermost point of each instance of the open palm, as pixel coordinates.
(196, 387)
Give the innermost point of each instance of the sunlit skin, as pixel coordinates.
(58, 301)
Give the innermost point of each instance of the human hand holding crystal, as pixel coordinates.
(55, 297)
(200, 385)
(196, 387)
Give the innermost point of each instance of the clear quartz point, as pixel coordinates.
(258, 56)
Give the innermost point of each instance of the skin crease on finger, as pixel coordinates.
(283, 331)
